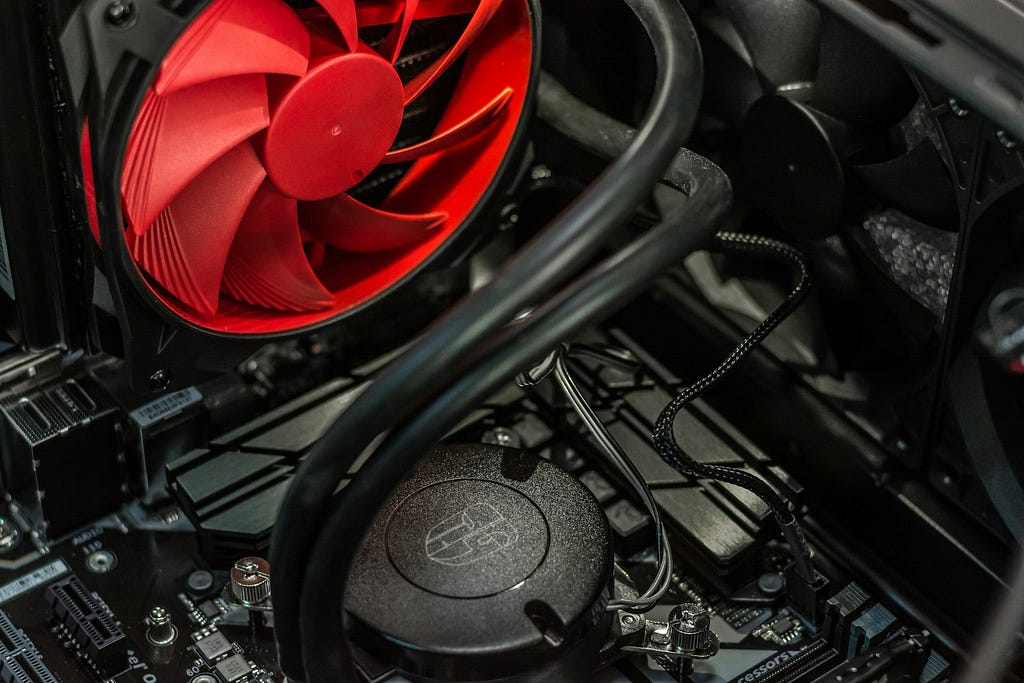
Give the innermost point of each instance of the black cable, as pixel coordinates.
(556, 364)
(604, 136)
(549, 260)
(600, 291)
(664, 437)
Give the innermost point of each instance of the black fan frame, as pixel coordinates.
(108, 66)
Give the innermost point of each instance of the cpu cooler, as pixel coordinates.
(254, 169)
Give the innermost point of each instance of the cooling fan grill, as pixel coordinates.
(237, 178)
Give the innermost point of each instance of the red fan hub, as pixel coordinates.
(331, 127)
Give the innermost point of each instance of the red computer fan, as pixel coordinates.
(265, 120)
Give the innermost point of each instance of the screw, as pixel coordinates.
(250, 580)
(629, 620)
(248, 567)
(958, 109)
(120, 12)
(691, 627)
(159, 380)
(161, 631)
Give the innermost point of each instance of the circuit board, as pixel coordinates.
(82, 608)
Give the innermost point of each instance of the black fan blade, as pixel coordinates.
(791, 168)
(917, 183)
(858, 82)
(781, 37)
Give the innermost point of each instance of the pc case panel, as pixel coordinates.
(973, 48)
(37, 229)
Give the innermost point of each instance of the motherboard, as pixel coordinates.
(151, 593)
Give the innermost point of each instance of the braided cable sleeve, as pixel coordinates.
(664, 438)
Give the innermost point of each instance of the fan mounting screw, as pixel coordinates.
(250, 580)
(120, 12)
(691, 627)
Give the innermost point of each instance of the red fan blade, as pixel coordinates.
(321, 42)
(392, 45)
(460, 132)
(232, 38)
(484, 11)
(187, 247)
(348, 224)
(267, 266)
(89, 184)
(386, 12)
(343, 13)
(178, 136)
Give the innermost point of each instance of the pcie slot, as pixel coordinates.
(12, 638)
(19, 660)
(25, 667)
(88, 620)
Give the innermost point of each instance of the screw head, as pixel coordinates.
(247, 567)
(691, 620)
(120, 12)
(250, 580)
(691, 627)
(629, 620)
(159, 381)
(161, 631)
